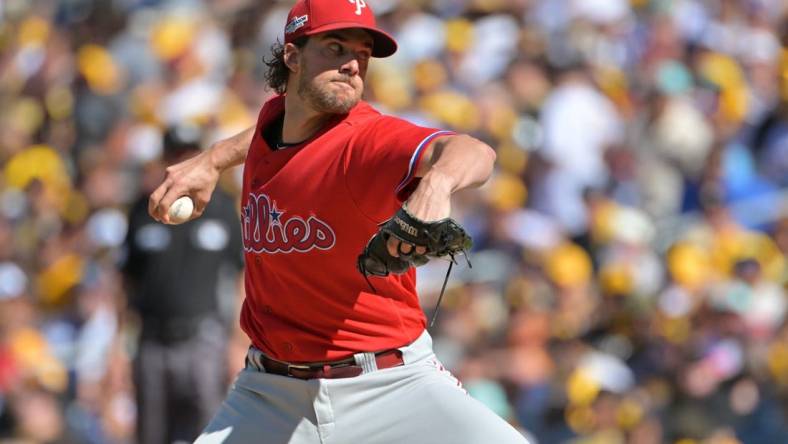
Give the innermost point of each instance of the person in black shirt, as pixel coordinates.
(172, 274)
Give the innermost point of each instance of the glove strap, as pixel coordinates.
(411, 228)
(443, 287)
(440, 298)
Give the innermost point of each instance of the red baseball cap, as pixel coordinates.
(308, 17)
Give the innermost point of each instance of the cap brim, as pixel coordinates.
(383, 45)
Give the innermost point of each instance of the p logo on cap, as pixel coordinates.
(308, 17)
(359, 4)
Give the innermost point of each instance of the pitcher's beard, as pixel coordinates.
(324, 100)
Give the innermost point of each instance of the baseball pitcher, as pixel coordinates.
(339, 204)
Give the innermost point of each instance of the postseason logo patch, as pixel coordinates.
(296, 23)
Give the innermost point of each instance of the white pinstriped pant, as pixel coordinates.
(417, 403)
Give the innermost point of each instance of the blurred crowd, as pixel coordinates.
(629, 269)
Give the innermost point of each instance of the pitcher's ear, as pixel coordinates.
(291, 55)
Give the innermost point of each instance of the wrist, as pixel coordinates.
(431, 199)
(213, 157)
(438, 182)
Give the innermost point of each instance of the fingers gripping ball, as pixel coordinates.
(181, 210)
(440, 238)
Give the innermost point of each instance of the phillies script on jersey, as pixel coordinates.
(267, 230)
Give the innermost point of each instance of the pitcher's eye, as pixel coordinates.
(336, 48)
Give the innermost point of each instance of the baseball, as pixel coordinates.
(181, 210)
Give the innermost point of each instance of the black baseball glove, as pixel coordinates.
(443, 238)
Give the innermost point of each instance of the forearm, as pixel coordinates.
(452, 164)
(197, 176)
(457, 162)
(232, 151)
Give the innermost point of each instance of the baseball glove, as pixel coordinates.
(443, 238)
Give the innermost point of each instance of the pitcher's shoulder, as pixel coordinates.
(363, 114)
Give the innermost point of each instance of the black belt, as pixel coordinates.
(346, 368)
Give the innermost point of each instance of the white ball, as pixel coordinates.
(181, 210)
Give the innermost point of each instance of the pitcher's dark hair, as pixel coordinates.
(277, 72)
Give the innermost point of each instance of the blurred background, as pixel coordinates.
(629, 269)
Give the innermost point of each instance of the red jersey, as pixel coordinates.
(307, 213)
